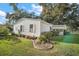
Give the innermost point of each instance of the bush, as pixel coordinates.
(43, 39)
(4, 30)
(55, 33)
(12, 38)
(4, 35)
(46, 37)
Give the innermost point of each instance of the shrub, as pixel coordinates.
(4, 30)
(46, 37)
(43, 39)
(55, 33)
(12, 38)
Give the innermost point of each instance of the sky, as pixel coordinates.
(6, 8)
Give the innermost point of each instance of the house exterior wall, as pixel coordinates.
(64, 27)
(16, 28)
(45, 27)
(40, 26)
(26, 24)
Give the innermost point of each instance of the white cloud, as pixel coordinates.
(3, 20)
(1, 23)
(2, 13)
(36, 8)
(2, 17)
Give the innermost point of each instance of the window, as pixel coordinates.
(31, 28)
(50, 28)
(21, 28)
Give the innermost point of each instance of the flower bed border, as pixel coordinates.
(37, 46)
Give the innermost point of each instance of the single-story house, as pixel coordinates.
(33, 27)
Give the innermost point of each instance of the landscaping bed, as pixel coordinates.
(43, 46)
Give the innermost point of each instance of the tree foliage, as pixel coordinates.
(61, 13)
(18, 13)
(4, 30)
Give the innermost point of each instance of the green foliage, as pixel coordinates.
(54, 12)
(42, 38)
(76, 38)
(58, 38)
(9, 48)
(14, 5)
(49, 36)
(12, 38)
(61, 13)
(25, 48)
(4, 35)
(46, 37)
(4, 30)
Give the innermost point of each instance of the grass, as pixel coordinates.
(68, 38)
(25, 48)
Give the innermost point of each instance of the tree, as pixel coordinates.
(19, 13)
(15, 8)
(63, 13)
(72, 17)
(53, 11)
(13, 17)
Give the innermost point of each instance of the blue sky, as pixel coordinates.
(5, 7)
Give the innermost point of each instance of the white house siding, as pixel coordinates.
(26, 23)
(40, 27)
(16, 28)
(64, 27)
(45, 27)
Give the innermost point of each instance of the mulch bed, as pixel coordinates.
(42, 46)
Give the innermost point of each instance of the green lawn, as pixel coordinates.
(25, 48)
